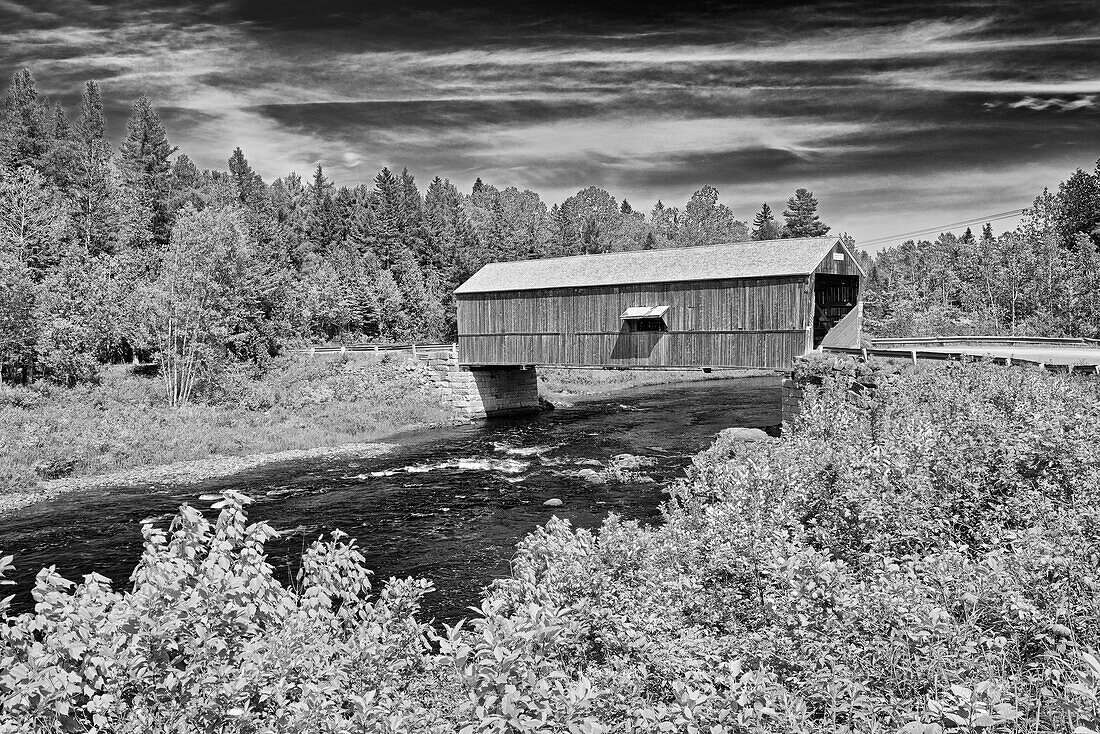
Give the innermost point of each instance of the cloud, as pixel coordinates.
(655, 102)
(1086, 102)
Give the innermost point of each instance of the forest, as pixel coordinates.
(1040, 279)
(110, 253)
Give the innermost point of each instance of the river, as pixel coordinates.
(447, 505)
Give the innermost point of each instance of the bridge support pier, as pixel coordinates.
(479, 392)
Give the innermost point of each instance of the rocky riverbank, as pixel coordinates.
(182, 472)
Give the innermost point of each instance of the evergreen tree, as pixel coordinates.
(386, 218)
(764, 226)
(95, 213)
(322, 219)
(801, 216)
(411, 216)
(665, 222)
(987, 232)
(25, 134)
(187, 185)
(143, 161)
(60, 162)
(248, 184)
(626, 208)
(967, 237)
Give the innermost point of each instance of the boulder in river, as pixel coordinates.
(739, 434)
(591, 476)
(631, 462)
(553, 502)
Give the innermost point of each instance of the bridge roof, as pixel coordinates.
(762, 259)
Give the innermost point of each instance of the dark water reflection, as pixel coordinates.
(447, 505)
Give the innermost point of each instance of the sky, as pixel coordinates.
(899, 116)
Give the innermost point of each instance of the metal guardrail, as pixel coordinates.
(414, 349)
(917, 354)
(1053, 341)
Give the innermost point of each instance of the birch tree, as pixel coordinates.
(192, 305)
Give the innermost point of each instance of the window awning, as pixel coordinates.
(644, 312)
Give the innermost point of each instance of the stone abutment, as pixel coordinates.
(477, 392)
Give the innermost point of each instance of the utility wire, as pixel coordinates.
(945, 227)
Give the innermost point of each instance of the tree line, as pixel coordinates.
(110, 253)
(1042, 278)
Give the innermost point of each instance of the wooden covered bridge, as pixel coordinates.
(737, 305)
(744, 304)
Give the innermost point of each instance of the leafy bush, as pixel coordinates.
(208, 640)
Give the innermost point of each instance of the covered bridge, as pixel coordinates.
(743, 304)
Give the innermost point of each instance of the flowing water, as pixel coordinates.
(447, 505)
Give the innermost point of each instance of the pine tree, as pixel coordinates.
(967, 237)
(764, 226)
(60, 163)
(248, 184)
(143, 161)
(987, 233)
(95, 214)
(386, 218)
(625, 208)
(322, 220)
(411, 216)
(25, 136)
(801, 216)
(186, 185)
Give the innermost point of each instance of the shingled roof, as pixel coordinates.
(763, 259)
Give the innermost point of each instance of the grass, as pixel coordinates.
(559, 382)
(124, 422)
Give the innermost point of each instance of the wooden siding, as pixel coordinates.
(736, 323)
(846, 266)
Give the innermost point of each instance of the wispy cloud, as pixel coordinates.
(755, 100)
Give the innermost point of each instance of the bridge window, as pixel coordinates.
(645, 318)
(650, 325)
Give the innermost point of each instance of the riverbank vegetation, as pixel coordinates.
(122, 421)
(925, 562)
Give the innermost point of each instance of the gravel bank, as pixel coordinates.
(181, 472)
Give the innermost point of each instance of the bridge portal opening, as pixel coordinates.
(835, 296)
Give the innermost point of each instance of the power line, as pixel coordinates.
(946, 227)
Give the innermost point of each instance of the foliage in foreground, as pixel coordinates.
(928, 564)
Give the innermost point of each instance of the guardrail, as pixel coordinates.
(916, 354)
(414, 349)
(1009, 341)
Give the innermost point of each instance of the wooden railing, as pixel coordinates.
(414, 349)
